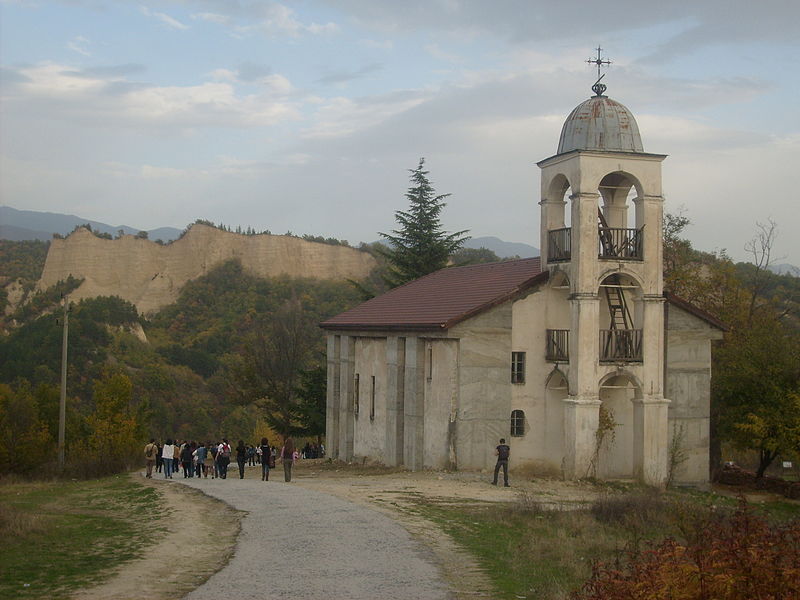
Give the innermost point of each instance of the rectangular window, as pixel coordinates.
(517, 367)
(355, 395)
(372, 401)
(430, 363)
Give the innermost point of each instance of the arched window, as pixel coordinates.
(517, 423)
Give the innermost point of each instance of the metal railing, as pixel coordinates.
(557, 345)
(559, 244)
(620, 345)
(618, 242)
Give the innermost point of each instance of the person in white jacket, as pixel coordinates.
(167, 454)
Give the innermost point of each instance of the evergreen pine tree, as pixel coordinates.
(419, 246)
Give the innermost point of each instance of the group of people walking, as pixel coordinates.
(199, 459)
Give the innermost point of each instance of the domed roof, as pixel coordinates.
(600, 123)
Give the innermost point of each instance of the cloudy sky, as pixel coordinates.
(306, 115)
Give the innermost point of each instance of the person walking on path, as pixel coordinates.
(200, 454)
(223, 458)
(241, 457)
(150, 453)
(503, 452)
(214, 449)
(166, 455)
(287, 457)
(265, 454)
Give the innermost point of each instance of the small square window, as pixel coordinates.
(517, 367)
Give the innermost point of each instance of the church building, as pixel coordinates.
(579, 358)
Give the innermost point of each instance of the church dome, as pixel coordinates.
(600, 123)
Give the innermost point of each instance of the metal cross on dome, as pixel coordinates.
(598, 88)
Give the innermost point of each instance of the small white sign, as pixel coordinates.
(787, 464)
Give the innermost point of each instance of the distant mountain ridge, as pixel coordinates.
(502, 248)
(18, 225)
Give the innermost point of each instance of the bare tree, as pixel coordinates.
(760, 249)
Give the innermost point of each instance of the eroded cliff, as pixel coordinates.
(150, 275)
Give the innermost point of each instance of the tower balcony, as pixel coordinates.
(620, 345)
(557, 345)
(618, 243)
(559, 244)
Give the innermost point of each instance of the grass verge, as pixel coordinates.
(62, 536)
(529, 551)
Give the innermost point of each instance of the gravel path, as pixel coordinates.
(299, 544)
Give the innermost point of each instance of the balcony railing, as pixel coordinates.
(557, 345)
(617, 242)
(559, 244)
(613, 242)
(620, 345)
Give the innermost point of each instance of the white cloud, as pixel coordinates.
(378, 44)
(164, 18)
(436, 52)
(342, 116)
(59, 92)
(79, 44)
(268, 18)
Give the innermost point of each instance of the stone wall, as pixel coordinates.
(150, 275)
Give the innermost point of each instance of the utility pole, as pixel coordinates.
(62, 405)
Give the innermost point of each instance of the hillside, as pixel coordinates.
(151, 275)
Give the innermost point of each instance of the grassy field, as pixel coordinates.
(61, 536)
(529, 552)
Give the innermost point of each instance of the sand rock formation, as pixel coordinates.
(150, 275)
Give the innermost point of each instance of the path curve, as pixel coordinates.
(307, 545)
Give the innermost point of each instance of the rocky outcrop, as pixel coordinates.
(150, 275)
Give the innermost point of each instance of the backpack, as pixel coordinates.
(150, 451)
(226, 450)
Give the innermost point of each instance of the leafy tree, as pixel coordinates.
(474, 256)
(269, 370)
(757, 387)
(23, 259)
(311, 394)
(419, 246)
(114, 432)
(25, 442)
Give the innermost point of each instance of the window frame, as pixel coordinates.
(517, 423)
(518, 366)
(356, 382)
(372, 401)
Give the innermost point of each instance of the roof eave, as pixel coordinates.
(520, 289)
(696, 311)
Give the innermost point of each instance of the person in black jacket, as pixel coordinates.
(503, 452)
(241, 457)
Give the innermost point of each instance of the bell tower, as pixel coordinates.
(601, 231)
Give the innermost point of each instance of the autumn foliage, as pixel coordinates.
(740, 556)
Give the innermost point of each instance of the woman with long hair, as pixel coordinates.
(287, 457)
(241, 457)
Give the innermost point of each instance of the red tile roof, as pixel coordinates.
(443, 298)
